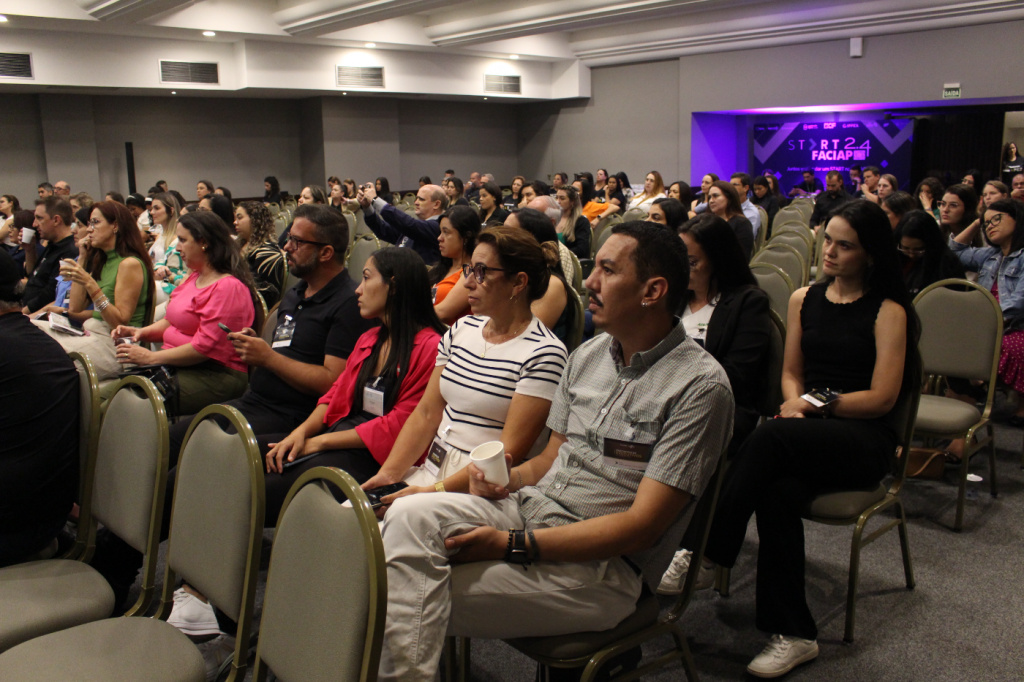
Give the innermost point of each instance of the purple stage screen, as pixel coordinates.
(788, 149)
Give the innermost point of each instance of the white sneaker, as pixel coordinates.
(782, 655)
(675, 576)
(192, 615)
(217, 655)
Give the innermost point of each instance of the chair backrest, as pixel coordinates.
(350, 219)
(961, 330)
(270, 324)
(634, 214)
(409, 197)
(326, 597)
(89, 417)
(361, 250)
(777, 284)
(771, 398)
(578, 321)
(801, 241)
(603, 237)
(274, 208)
(263, 305)
(762, 234)
(280, 223)
(577, 274)
(217, 517)
(791, 214)
(362, 229)
(130, 476)
(787, 259)
(805, 206)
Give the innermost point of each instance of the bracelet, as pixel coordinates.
(102, 304)
(515, 552)
(439, 487)
(533, 545)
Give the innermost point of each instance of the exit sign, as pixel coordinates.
(951, 91)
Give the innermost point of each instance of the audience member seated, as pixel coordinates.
(472, 193)
(52, 222)
(553, 308)
(828, 201)
(972, 179)
(869, 188)
(255, 229)
(383, 189)
(496, 370)
(765, 198)
(355, 424)
(8, 205)
(219, 291)
(625, 186)
(897, 205)
(490, 204)
(204, 188)
(573, 228)
(1012, 162)
(681, 192)
(169, 269)
(654, 188)
(958, 210)
(993, 191)
(271, 190)
(511, 201)
(313, 194)
(924, 254)
(460, 226)
(111, 285)
(39, 449)
(809, 187)
(537, 188)
(929, 193)
(998, 265)
(668, 212)
(11, 234)
(887, 185)
(724, 202)
(453, 189)
(860, 312)
(727, 314)
(600, 180)
(741, 181)
(397, 227)
(614, 199)
(701, 197)
(591, 207)
(222, 207)
(548, 205)
(588, 523)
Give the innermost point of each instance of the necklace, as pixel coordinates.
(505, 337)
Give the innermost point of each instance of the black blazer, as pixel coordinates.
(738, 336)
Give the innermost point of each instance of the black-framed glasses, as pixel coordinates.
(296, 242)
(994, 220)
(479, 271)
(906, 250)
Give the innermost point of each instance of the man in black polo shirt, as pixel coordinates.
(39, 423)
(832, 198)
(52, 223)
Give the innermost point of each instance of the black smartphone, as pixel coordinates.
(227, 329)
(374, 494)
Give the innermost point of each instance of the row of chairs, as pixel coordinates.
(326, 594)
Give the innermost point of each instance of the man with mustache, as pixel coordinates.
(638, 422)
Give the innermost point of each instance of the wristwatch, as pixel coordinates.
(516, 552)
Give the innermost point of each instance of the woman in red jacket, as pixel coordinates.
(355, 424)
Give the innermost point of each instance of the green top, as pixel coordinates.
(108, 281)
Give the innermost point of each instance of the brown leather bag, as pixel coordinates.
(926, 463)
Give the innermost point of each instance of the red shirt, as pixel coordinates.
(379, 433)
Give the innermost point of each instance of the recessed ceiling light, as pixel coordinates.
(485, 99)
(513, 56)
(174, 92)
(209, 34)
(344, 93)
(371, 44)
(3, 19)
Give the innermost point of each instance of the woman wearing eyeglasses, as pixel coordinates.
(924, 255)
(111, 283)
(220, 290)
(999, 266)
(958, 209)
(496, 373)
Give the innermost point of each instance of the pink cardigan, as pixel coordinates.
(379, 433)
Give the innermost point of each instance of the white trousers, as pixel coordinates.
(429, 598)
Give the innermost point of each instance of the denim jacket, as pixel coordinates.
(990, 263)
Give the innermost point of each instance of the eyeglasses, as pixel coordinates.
(479, 271)
(994, 220)
(296, 242)
(951, 204)
(906, 250)
(93, 223)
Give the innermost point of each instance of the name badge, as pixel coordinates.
(626, 455)
(284, 333)
(373, 399)
(435, 457)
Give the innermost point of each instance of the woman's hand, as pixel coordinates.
(123, 330)
(797, 408)
(161, 273)
(130, 352)
(479, 486)
(294, 446)
(84, 247)
(71, 270)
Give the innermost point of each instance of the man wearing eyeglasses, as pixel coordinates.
(396, 226)
(639, 421)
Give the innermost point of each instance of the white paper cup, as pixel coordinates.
(27, 235)
(490, 458)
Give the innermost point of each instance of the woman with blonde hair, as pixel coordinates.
(169, 269)
(573, 228)
(654, 188)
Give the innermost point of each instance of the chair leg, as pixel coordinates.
(464, 658)
(851, 587)
(908, 566)
(992, 461)
(958, 524)
(722, 580)
(688, 665)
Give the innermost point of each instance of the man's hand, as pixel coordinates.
(480, 544)
(370, 193)
(250, 348)
(479, 486)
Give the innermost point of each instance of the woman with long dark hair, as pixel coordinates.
(929, 194)
(490, 204)
(220, 290)
(460, 226)
(454, 189)
(1011, 162)
(511, 201)
(255, 230)
(614, 199)
(897, 205)
(668, 212)
(724, 202)
(383, 188)
(681, 192)
(958, 209)
(860, 312)
(924, 254)
(271, 190)
(765, 197)
(355, 424)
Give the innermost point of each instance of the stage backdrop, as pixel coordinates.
(788, 149)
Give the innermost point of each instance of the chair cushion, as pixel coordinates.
(940, 415)
(41, 597)
(845, 504)
(583, 644)
(113, 650)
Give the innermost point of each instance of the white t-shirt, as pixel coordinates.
(696, 323)
(479, 380)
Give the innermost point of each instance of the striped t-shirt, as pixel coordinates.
(479, 379)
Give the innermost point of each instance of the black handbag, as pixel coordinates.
(165, 379)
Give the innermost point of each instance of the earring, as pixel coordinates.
(204, 248)
(644, 304)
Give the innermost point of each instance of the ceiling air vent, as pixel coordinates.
(15, 65)
(508, 85)
(189, 72)
(360, 76)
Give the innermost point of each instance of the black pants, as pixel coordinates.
(782, 466)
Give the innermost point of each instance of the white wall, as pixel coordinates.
(22, 157)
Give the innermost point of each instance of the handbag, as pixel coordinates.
(926, 463)
(165, 379)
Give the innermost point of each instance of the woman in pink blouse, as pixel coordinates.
(220, 291)
(355, 424)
